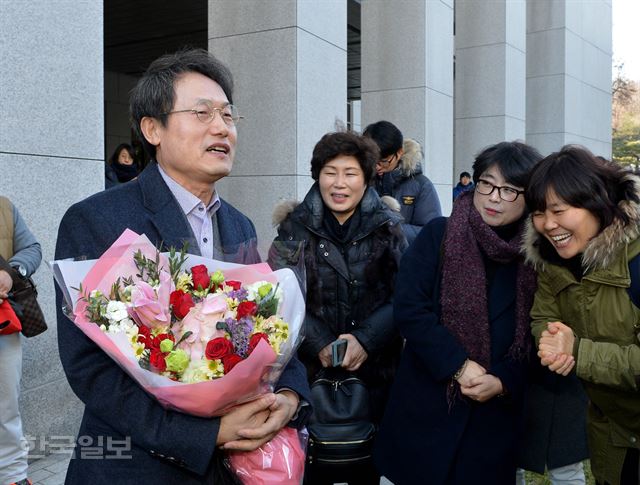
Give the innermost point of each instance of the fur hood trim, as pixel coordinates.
(412, 158)
(282, 211)
(602, 249)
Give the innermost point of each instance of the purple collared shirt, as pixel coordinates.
(199, 217)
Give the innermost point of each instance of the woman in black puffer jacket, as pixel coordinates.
(352, 245)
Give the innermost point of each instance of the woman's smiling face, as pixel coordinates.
(569, 229)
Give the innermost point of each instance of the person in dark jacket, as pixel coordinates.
(193, 147)
(399, 174)
(464, 185)
(555, 430)
(455, 411)
(352, 246)
(121, 167)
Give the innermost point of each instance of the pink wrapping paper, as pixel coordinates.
(244, 382)
(280, 461)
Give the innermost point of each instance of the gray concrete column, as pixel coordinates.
(51, 155)
(289, 61)
(569, 74)
(490, 76)
(407, 77)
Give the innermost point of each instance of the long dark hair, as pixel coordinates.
(582, 180)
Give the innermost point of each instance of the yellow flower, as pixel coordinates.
(185, 282)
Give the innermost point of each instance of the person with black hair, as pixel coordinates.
(352, 243)
(584, 239)
(121, 166)
(399, 175)
(462, 302)
(182, 111)
(464, 185)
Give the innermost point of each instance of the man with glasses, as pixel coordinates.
(182, 111)
(399, 175)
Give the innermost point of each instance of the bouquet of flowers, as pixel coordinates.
(199, 335)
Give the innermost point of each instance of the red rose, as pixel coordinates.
(246, 308)
(144, 335)
(255, 338)
(218, 348)
(181, 303)
(230, 362)
(200, 277)
(156, 359)
(233, 284)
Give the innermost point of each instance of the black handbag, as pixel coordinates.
(340, 429)
(23, 298)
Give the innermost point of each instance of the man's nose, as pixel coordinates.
(217, 124)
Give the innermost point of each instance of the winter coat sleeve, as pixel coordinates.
(26, 249)
(512, 374)
(376, 330)
(427, 208)
(603, 363)
(106, 390)
(416, 307)
(609, 364)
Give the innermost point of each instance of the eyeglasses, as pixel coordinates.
(387, 162)
(206, 114)
(508, 194)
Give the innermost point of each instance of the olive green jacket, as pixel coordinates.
(606, 325)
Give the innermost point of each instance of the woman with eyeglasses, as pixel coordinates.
(399, 175)
(584, 238)
(462, 300)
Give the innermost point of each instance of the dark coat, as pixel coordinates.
(165, 446)
(555, 432)
(418, 199)
(349, 286)
(422, 439)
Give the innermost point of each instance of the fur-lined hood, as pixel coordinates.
(602, 250)
(411, 163)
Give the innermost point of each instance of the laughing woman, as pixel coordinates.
(462, 302)
(586, 216)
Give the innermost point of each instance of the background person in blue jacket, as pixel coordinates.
(399, 175)
(465, 185)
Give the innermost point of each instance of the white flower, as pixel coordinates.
(116, 311)
(95, 294)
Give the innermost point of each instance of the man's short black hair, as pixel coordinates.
(386, 135)
(464, 174)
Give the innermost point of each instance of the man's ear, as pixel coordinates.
(150, 128)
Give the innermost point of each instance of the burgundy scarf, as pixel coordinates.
(463, 294)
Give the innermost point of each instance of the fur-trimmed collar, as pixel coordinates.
(286, 207)
(602, 249)
(411, 159)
